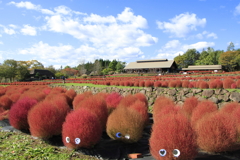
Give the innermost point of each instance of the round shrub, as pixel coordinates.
(189, 105)
(174, 131)
(98, 106)
(185, 84)
(164, 84)
(230, 107)
(216, 132)
(5, 102)
(70, 95)
(81, 129)
(112, 101)
(203, 85)
(80, 97)
(19, 112)
(160, 103)
(227, 83)
(128, 100)
(141, 83)
(141, 108)
(203, 108)
(142, 98)
(125, 124)
(148, 84)
(14, 97)
(45, 120)
(157, 84)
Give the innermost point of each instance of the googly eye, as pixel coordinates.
(176, 153)
(77, 140)
(118, 135)
(67, 139)
(162, 152)
(127, 136)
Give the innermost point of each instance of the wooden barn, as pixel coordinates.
(152, 66)
(41, 73)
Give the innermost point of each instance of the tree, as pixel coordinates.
(230, 60)
(51, 69)
(230, 47)
(180, 61)
(81, 67)
(9, 69)
(113, 64)
(191, 56)
(120, 66)
(22, 72)
(97, 67)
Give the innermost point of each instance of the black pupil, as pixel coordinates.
(175, 152)
(162, 152)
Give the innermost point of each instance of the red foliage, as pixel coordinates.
(237, 83)
(142, 98)
(189, 105)
(185, 84)
(230, 107)
(98, 106)
(19, 112)
(236, 116)
(112, 101)
(233, 85)
(128, 100)
(148, 84)
(164, 84)
(81, 129)
(5, 102)
(136, 84)
(78, 98)
(160, 103)
(216, 132)
(227, 83)
(141, 83)
(173, 132)
(140, 106)
(203, 85)
(45, 120)
(70, 95)
(125, 124)
(203, 108)
(157, 84)
(14, 97)
(3, 114)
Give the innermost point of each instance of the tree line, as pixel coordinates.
(20, 70)
(230, 59)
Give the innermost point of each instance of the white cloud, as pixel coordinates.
(182, 24)
(27, 5)
(173, 48)
(207, 35)
(1, 42)
(9, 31)
(237, 10)
(94, 18)
(29, 30)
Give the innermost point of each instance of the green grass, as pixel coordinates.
(93, 85)
(21, 146)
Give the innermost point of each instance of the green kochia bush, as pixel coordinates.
(81, 129)
(125, 124)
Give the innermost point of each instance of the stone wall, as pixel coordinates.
(178, 95)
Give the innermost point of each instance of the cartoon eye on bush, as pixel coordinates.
(127, 136)
(162, 152)
(118, 135)
(176, 153)
(67, 139)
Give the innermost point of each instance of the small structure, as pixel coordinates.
(43, 73)
(213, 68)
(151, 66)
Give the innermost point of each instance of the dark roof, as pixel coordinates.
(42, 72)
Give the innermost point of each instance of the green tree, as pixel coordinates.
(113, 64)
(120, 66)
(230, 60)
(10, 69)
(180, 59)
(230, 47)
(191, 56)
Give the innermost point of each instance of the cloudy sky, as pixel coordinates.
(66, 32)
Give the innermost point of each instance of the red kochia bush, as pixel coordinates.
(157, 84)
(19, 112)
(81, 129)
(227, 83)
(112, 101)
(148, 84)
(203, 85)
(230, 107)
(174, 131)
(189, 104)
(125, 124)
(160, 103)
(140, 107)
(78, 98)
(142, 98)
(204, 107)
(5, 102)
(216, 132)
(98, 106)
(127, 100)
(141, 83)
(70, 95)
(45, 120)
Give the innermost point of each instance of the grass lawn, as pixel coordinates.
(21, 146)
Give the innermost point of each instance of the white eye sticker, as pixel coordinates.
(162, 152)
(176, 153)
(77, 140)
(67, 139)
(118, 135)
(127, 136)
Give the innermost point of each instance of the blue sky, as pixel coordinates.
(69, 32)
